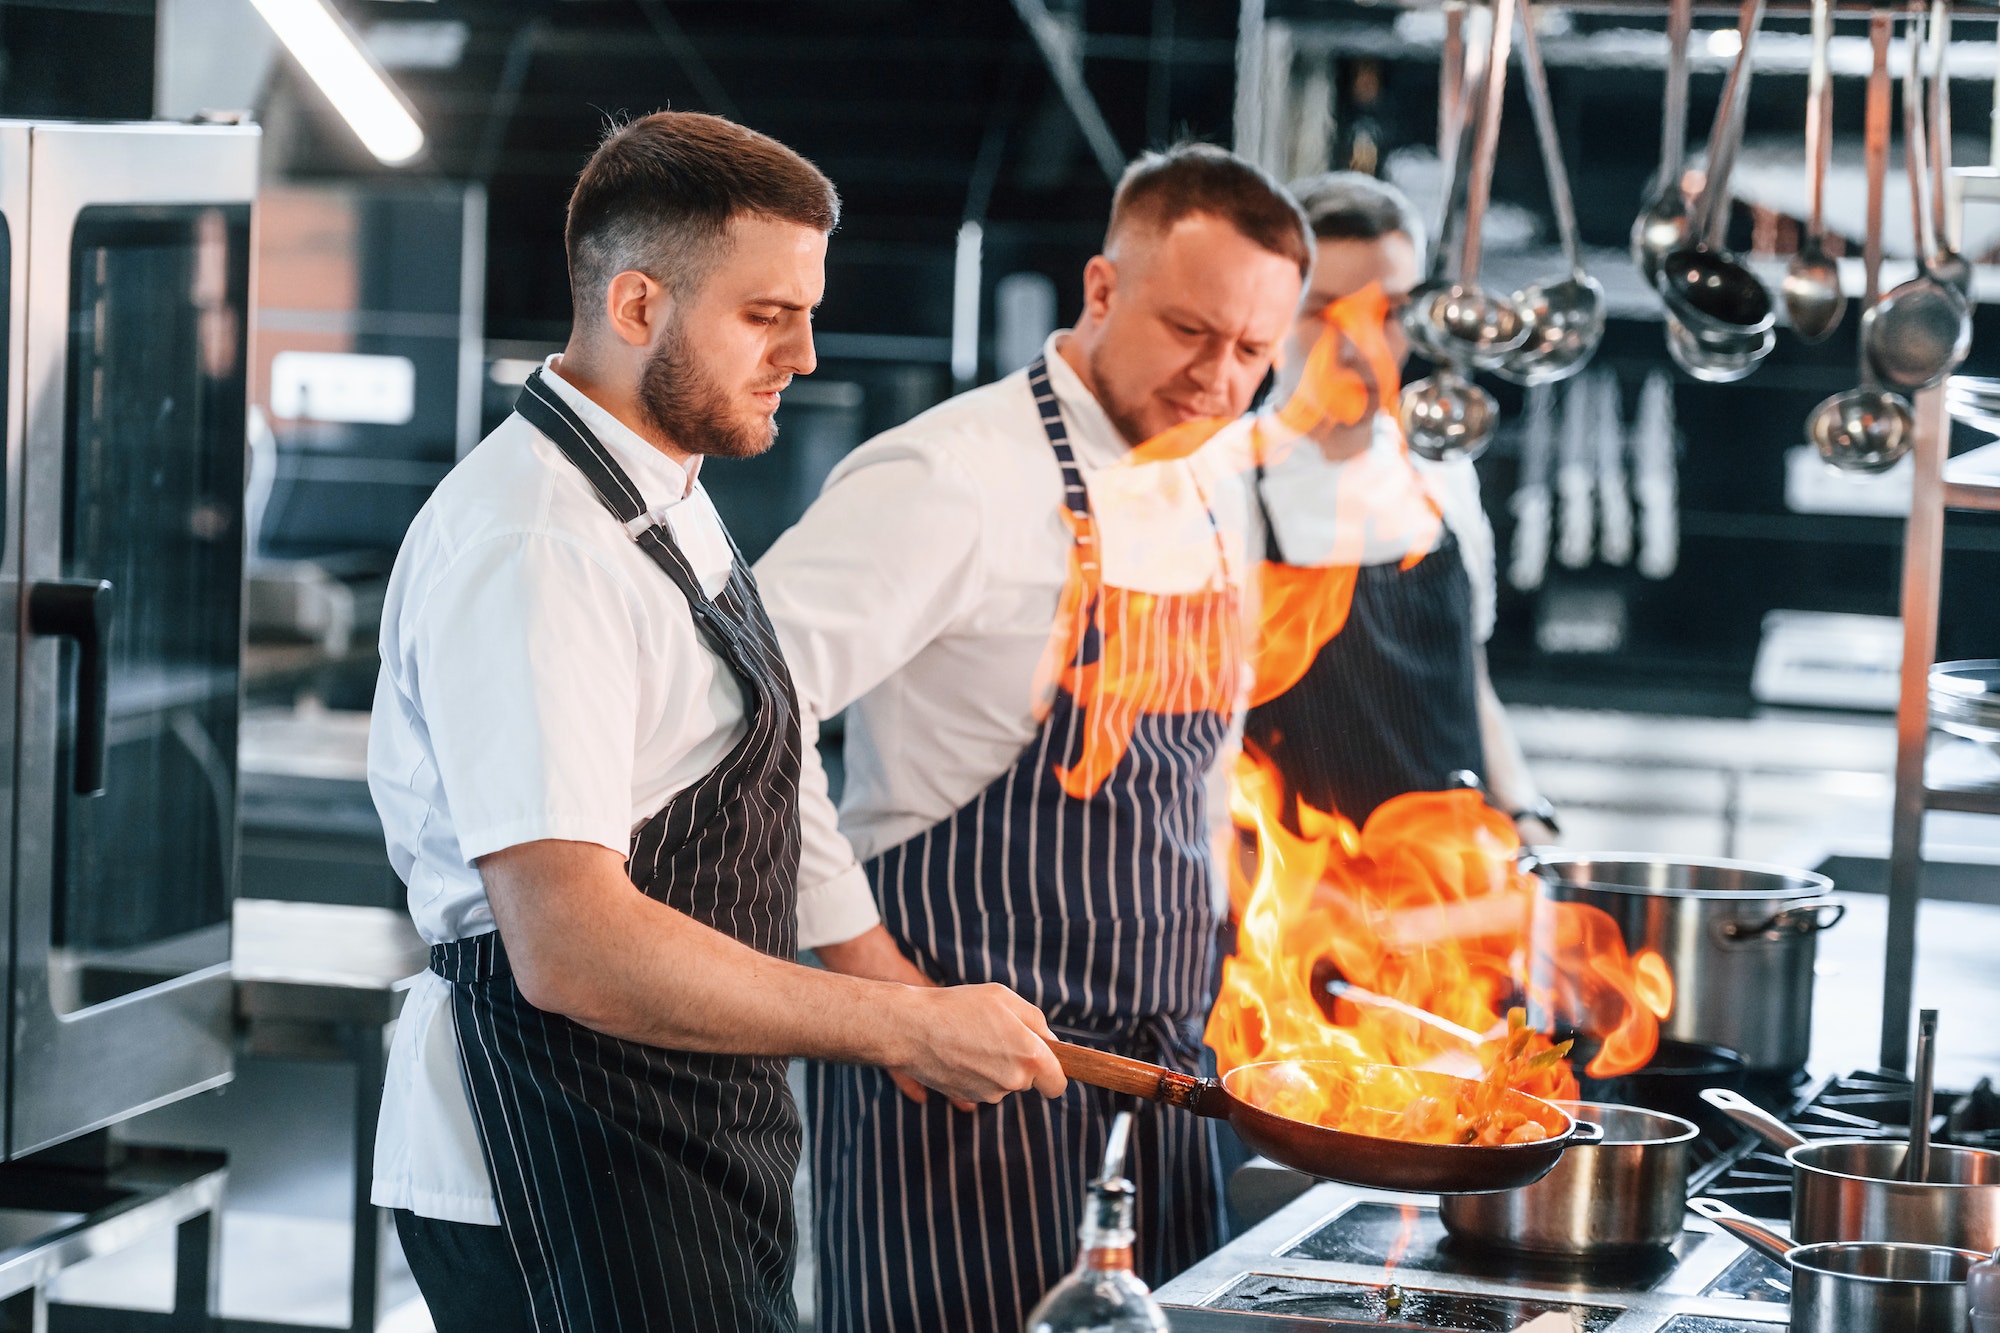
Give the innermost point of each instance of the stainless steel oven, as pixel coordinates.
(128, 263)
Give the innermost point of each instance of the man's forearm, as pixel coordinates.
(585, 943)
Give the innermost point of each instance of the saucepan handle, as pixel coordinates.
(1753, 1118)
(1583, 1133)
(1746, 1229)
(1136, 1078)
(1799, 919)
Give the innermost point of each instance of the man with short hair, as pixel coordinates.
(1398, 700)
(1036, 626)
(585, 753)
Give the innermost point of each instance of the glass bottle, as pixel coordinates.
(1102, 1294)
(1983, 1294)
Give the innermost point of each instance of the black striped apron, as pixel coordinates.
(1098, 911)
(644, 1188)
(1390, 703)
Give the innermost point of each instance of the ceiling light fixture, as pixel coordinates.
(334, 59)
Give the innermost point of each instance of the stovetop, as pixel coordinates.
(1323, 1263)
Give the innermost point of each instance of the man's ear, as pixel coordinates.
(1100, 282)
(633, 307)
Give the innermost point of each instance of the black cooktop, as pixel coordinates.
(1388, 1305)
(1369, 1233)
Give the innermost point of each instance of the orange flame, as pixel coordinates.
(1429, 932)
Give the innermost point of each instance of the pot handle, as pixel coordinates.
(1746, 1229)
(1800, 918)
(1753, 1118)
(1583, 1133)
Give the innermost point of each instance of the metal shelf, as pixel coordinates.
(1972, 495)
(1963, 800)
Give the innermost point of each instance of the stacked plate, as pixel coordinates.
(1974, 401)
(1965, 700)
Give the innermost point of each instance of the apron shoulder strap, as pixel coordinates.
(1076, 496)
(543, 408)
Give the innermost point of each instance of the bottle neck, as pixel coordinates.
(1107, 1227)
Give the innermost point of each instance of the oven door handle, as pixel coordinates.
(80, 609)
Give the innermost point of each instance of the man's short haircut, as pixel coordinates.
(1159, 189)
(658, 195)
(1354, 206)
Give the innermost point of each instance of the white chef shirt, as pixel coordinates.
(1301, 492)
(541, 678)
(920, 592)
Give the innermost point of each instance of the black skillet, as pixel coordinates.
(1341, 1155)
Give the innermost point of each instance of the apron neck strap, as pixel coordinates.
(543, 408)
(1076, 497)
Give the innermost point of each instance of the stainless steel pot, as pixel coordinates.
(1739, 937)
(1853, 1190)
(1861, 1286)
(1624, 1193)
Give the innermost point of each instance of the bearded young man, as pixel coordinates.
(1039, 629)
(585, 753)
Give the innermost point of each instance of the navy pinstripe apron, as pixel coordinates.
(644, 1188)
(1390, 703)
(1097, 909)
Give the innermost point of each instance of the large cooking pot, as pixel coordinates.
(1739, 937)
(1853, 1189)
(1621, 1194)
(1861, 1286)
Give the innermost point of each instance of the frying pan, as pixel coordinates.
(1336, 1154)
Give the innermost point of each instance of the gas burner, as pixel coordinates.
(1752, 1278)
(1402, 1306)
(1414, 1238)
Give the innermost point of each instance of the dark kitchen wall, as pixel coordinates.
(84, 59)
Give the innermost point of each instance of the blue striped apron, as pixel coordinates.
(644, 1188)
(1390, 703)
(1098, 910)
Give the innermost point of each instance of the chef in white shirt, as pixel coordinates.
(585, 753)
(1398, 700)
(1038, 633)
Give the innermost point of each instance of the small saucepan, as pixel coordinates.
(1861, 1286)
(1617, 1196)
(1336, 1154)
(1853, 1189)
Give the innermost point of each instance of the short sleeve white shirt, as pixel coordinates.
(541, 678)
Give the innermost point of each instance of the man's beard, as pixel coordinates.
(692, 409)
(1126, 416)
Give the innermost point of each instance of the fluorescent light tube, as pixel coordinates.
(333, 59)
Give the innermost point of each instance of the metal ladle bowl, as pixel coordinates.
(1718, 361)
(1813, 299)
(1565, 324)
(1663, 229)
(1717, 300)
(1447, 416)
(1866, 429)
(1917, 334)
(1474, 324)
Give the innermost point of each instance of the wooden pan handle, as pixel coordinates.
(1136, 1078)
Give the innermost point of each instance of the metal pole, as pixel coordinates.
(1923, 565)
(1250, 80)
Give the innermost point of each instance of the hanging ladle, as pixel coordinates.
(1718, 302)
(1921, 330)
(1868, 429)
(1459, 83)
(1447, 416)
(1663, 226)
(1471, 323)
(1566, 316)
(1948, 266)
(1813, 300)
